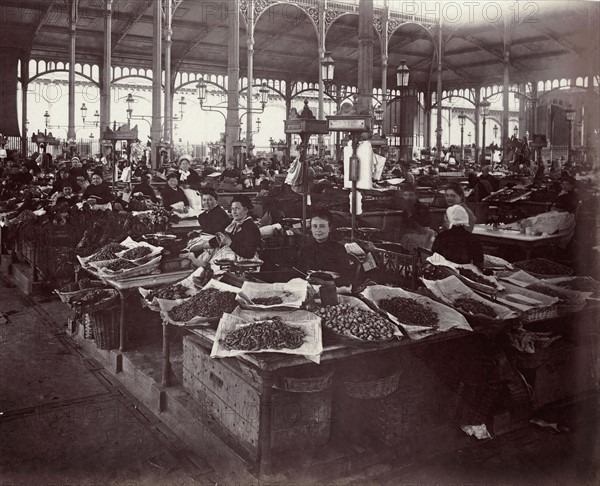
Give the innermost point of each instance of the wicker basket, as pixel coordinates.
(540, 313)
(67, 296)
(369, 390)
(88, 331)
(104, 304)
(105, 328)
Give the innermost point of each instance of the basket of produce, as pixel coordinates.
(453, 292)
(175, 292)
(106, 253)
(296, 332)
(533, 306)
(67, 292)
(105, 329)
(473, 277)
(436, 272)
(568, 300)
(138, 252)
(94, 300)
(543, 268)
(289, 295)
(353, 323)
(203, 308)
(417, 315)
(121, 269)
(588, 287)
(370, 390)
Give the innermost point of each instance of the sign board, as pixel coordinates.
(539, 140)
(303, 125)
(349, 123)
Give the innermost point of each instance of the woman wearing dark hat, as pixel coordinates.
(172, 193)
(242, 235)
(213, 219)
(98, 190)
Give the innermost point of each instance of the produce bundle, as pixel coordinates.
(267, 300)
(118, 265)
(359, 323)
(409, 311)
(137, 253)
(206, 303)
(436, 272)
(171, 292)
(270, 333)
(542, 289)
(473, 306)
(580, 285)
(107, 252)
(92, 297)
(543, 267)
(475, 277)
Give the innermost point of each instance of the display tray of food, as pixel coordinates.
(206, 306)
(120, 269)
(247, 331)
(417, 315)
(589, 287)
(94, 300)
(352, 322)
(544, 268)
(68, 291)
(288, 295)
(470, 274)
(534, 306)
(106, 253)
(453, 292)
(569, 300)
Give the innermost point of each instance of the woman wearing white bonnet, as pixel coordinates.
(457, 244)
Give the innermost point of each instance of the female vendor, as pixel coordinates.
(213, 219)
(242, 235)
(98, 190)
(457, 244)
(321, 253)
(172, 193)
(456, 195)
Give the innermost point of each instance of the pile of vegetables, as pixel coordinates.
(268, 300)
(475, 277)
(137, 253)
(543, 267)
(107, 252)
(410, 312)
(355, 322)
(118, 265)
(473, 306)
(270, 333)
(171, 292)
(206, 303)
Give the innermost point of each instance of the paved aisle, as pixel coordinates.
(63, 419)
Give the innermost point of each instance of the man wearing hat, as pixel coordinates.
(567, 200)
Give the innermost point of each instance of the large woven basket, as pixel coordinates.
(369, 390)
(105, 328)
(109, 302)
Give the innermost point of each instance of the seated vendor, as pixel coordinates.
(144, 188)
(242, 235)
(321, 253)
(188, 176)
(98, 190)
(172, 193)
(567, 200)
(415, 214)
(231, 178)
(213, 219)
(456, 195)
(457, 243)
(68, 197)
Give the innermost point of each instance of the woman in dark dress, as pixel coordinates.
(213, 219)
(173, 194)
(241, 235)
(457, 243)
(98, 190)
(321, 253)
(187, 176)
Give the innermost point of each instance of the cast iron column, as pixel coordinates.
(250, 77)
(505, 87)
(24, 87)
(232, 128)
(168, 33)
(365, 56)
(438, 131)
(105, 95)
(156, 85)
(72, 37)
(476, 134)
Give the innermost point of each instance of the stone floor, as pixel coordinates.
(65, 420)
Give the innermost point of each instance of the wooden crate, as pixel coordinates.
(230, 396)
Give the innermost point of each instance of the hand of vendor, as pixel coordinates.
(223, 239)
